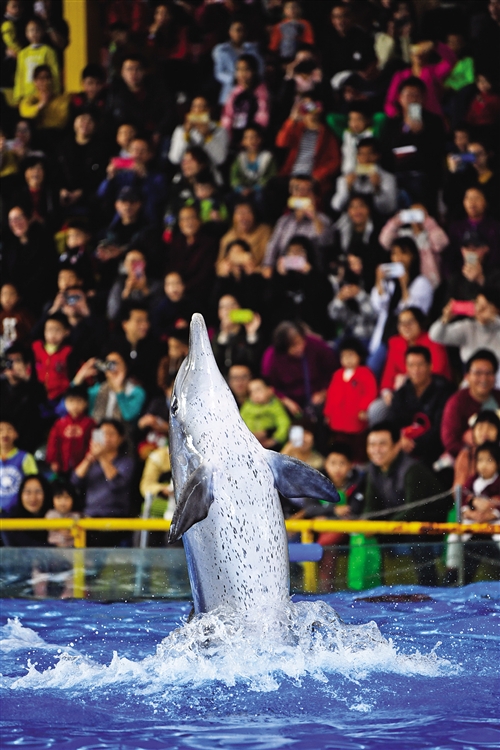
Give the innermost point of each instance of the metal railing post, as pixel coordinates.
(458, 512)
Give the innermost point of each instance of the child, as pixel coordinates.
(291, 32)
(484, 109)
(125, 134)
(16, 321)
(30, 58)
(74, 243)
(265, 416)
(486, 427)
(253, 167)
(483, 490)
(51, 356)
(301, 445)
(209, 205)
(92, 98)
(15, 464)
(69, 438)
(11, 39)
(63, 500)
(358, 127)
(351, 391)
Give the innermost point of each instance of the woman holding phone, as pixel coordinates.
(237, 339)
(132, 284)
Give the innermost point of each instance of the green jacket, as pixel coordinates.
(271, 417)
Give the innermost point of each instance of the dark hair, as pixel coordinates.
(240, 243)
(93, 70)
(408, 245)
(256, 127)
(369, 143)
(418, 314)
(306, 244)
(77, 391)
(385, 426)
(32, 161)
(489, 447)
(361, 108)
(128, 307)
(60, 487)
(352, 344)
(485, 354)
(59, 317)
(489, 416)
(19, 511)
(365, 198)
(253, 64)
(284, 333)
(199, 155)
(423, 351)
(79, 222)
(245, 202)
(33, 19)
(119, 427)
(491, 294)
(413, 82)
(18, 348)
(132, 57)
(343, 449)
(205, 177)
(39, 70)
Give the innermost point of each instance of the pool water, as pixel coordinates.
(78, 675)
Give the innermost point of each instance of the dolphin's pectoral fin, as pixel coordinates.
(194, 502)
(294, 478)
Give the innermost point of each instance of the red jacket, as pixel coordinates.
(484, 110)
(396, 365)
(344, 400)
(52, 369)
(69, 441)
(326, 155)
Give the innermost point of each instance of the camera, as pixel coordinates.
(6, 363)
(72, 299)
(104, 366)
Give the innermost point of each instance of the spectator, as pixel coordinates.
(480, 331)
(291, 32)
(16, 321)
(81, 163)
(133, 285)
(36, 194)
(471, 279)
(91, 99)
(417, 407)
(265, 416)
(21, 395)
(246, 227)
(351, 391)
(238, 378)
(63, 506)
(237, 338)
(351, 309)
(226, 55)
(32, 501)
(238, 277)
(299, 368)
(104, 477)
(486, 427)
(69, 438)
(248, 102)
(253, 167)
(344, 41)
(48, 109)
(138, 346)
(480, 395)
(15, 465)
(51, 357)
(301, 446)
(476, 222)
(174, 309)
(76, 251)
(199, 130)
(367, 178)
(302, 218)
(463, 175)
(34, 56)
(484, 110)
(395, 480)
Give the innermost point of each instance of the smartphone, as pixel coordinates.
(466, 308)
(299, 204)
(412, 216)
(97, 436)
(72, 299)
(467, 158)
(241, 316)
(365, 169)
(393, 270)
(296, 436)
(415, 112)
(294, 262)
(138, 267)
(122, 163)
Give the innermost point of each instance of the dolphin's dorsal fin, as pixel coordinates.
(294, 478)
(194, 503)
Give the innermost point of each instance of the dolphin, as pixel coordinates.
(228, 510)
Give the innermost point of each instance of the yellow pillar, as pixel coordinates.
(82, 17)
(310, 569)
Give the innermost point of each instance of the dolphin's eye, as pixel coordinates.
(174, 406)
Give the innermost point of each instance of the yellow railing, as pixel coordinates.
(306, 529)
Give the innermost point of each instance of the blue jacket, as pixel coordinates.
(224, 57)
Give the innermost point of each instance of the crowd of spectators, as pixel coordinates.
(319, 179)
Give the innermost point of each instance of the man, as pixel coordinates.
(480, 395)
(238, 378)
(394, 480)
(471, 279)
(413, 145)
(478, 222)
(417, 407)
(225, 55)
(21, 395)
(140, 350)
(368, 178)
(345, 42)
(87, 334)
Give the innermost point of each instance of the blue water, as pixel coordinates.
(81, 675)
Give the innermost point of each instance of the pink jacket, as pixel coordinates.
(262, 114)
(431, 242)
(433, 77)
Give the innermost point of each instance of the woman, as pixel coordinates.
(245, 226)
(235, 341)
(133, 284)
(105, 478)
(33, 501)
(199, 130)
(397, 287)
(299, 290)
(29, 260)
(117, 397)
(35, 194)
(193, 161)
(248, 102)
(238, 277)
(411, 332)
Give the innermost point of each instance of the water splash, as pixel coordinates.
(260, 650)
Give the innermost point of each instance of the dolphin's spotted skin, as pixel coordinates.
(228, 508)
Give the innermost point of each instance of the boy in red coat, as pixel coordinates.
(351, 391)
(69, 438)
(51, 357)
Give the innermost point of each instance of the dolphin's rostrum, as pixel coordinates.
(226, 485)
